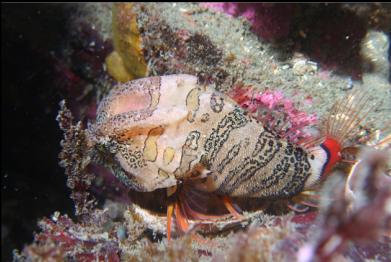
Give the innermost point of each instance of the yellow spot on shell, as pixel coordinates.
(163, 173)
(150, 148)
(154, 100)
(168, 155)
(193, 103)
(127, 61)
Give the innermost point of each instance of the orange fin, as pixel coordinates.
(181, 219)
(170, 211)
(192, 204)
(231, 208)
(190, 212)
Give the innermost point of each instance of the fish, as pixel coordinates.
(172, 131)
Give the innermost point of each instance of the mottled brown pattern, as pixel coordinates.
(173, 129)
(259, 168)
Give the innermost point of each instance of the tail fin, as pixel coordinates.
(346, 117)
(345, 122)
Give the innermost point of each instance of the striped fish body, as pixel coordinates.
(169, 129)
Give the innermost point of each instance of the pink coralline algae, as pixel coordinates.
(269, 21)
(61, 239)
(276, 112)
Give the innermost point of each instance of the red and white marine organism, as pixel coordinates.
(171, 132)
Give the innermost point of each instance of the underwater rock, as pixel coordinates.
(376, 15)
(269, 21)
(223, 52)
(185, 38)
(374, 48)
(63, 240)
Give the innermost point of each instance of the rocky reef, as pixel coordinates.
(276, 61)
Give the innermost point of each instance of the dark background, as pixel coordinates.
(32, 183)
